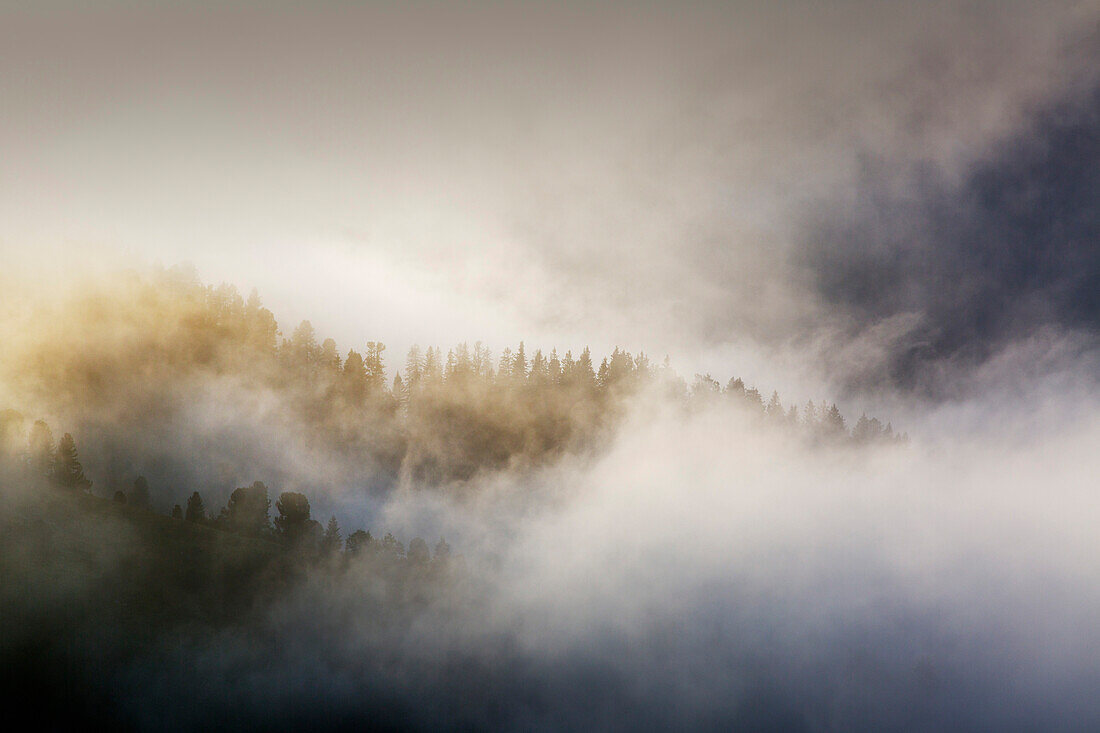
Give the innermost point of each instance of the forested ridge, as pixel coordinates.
(124, 365)
(119, 542)
(113, 361)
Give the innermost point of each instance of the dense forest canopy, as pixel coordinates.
(199, 388)
(197, 439)
(194, 384)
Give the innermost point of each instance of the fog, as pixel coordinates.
(698, 180)
(890, 207)
(704, 573)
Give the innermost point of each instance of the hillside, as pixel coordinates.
(197, 388)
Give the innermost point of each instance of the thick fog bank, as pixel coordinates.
(708, 572)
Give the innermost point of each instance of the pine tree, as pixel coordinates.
(68, 473)
(504, 368)
(539, 370)
(809, 415)
(775, 407)
(372, 362)
(400, 391)
(452, 363)
(568, 368)
(418, 551)
(330, 359)
(293, 520)
(862, 432)
(196, 510)
(303, 344)
(553, 373)
(585, 376)
(414, 367)
(464, 364)
(834, 421)
(354, 378)
(358, 541)
(331, 540)
(603, 376)
(519, 364)
(392, 547)
(433, 369)
(248, 509)
(483, 362)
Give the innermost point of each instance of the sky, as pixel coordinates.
(753, 188)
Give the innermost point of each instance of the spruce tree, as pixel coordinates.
(68, 473)
(331, 540)
(196, 510)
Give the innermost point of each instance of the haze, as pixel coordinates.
(891, 210)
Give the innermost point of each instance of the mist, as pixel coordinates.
(703, 573)
(502, 292)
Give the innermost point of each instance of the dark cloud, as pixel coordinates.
(1011, 248)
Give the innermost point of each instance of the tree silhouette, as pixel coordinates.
(247, 511)
(358, 542)
(519, 364)
(331, 541)
(833, 422)
(196, 510)
(303, 344)
(293, 509)
(68, 473)
(392, 547)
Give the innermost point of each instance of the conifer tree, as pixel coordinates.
(303, 344)
(834, 421)
(355, 378)
(519, 364)
(554, 368)
(400, 391)
(504, 368)
(538, 368)
(196, 510)
(68, 473)
(358, 542)
(414, 367)
(418, 551)
(603, 376)
(372, 362)
(392, 547)
(774, 408)
(329, 357)
(331, 540)
(586, 377)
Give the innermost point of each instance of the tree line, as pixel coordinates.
(247, 512)
(436, 418)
